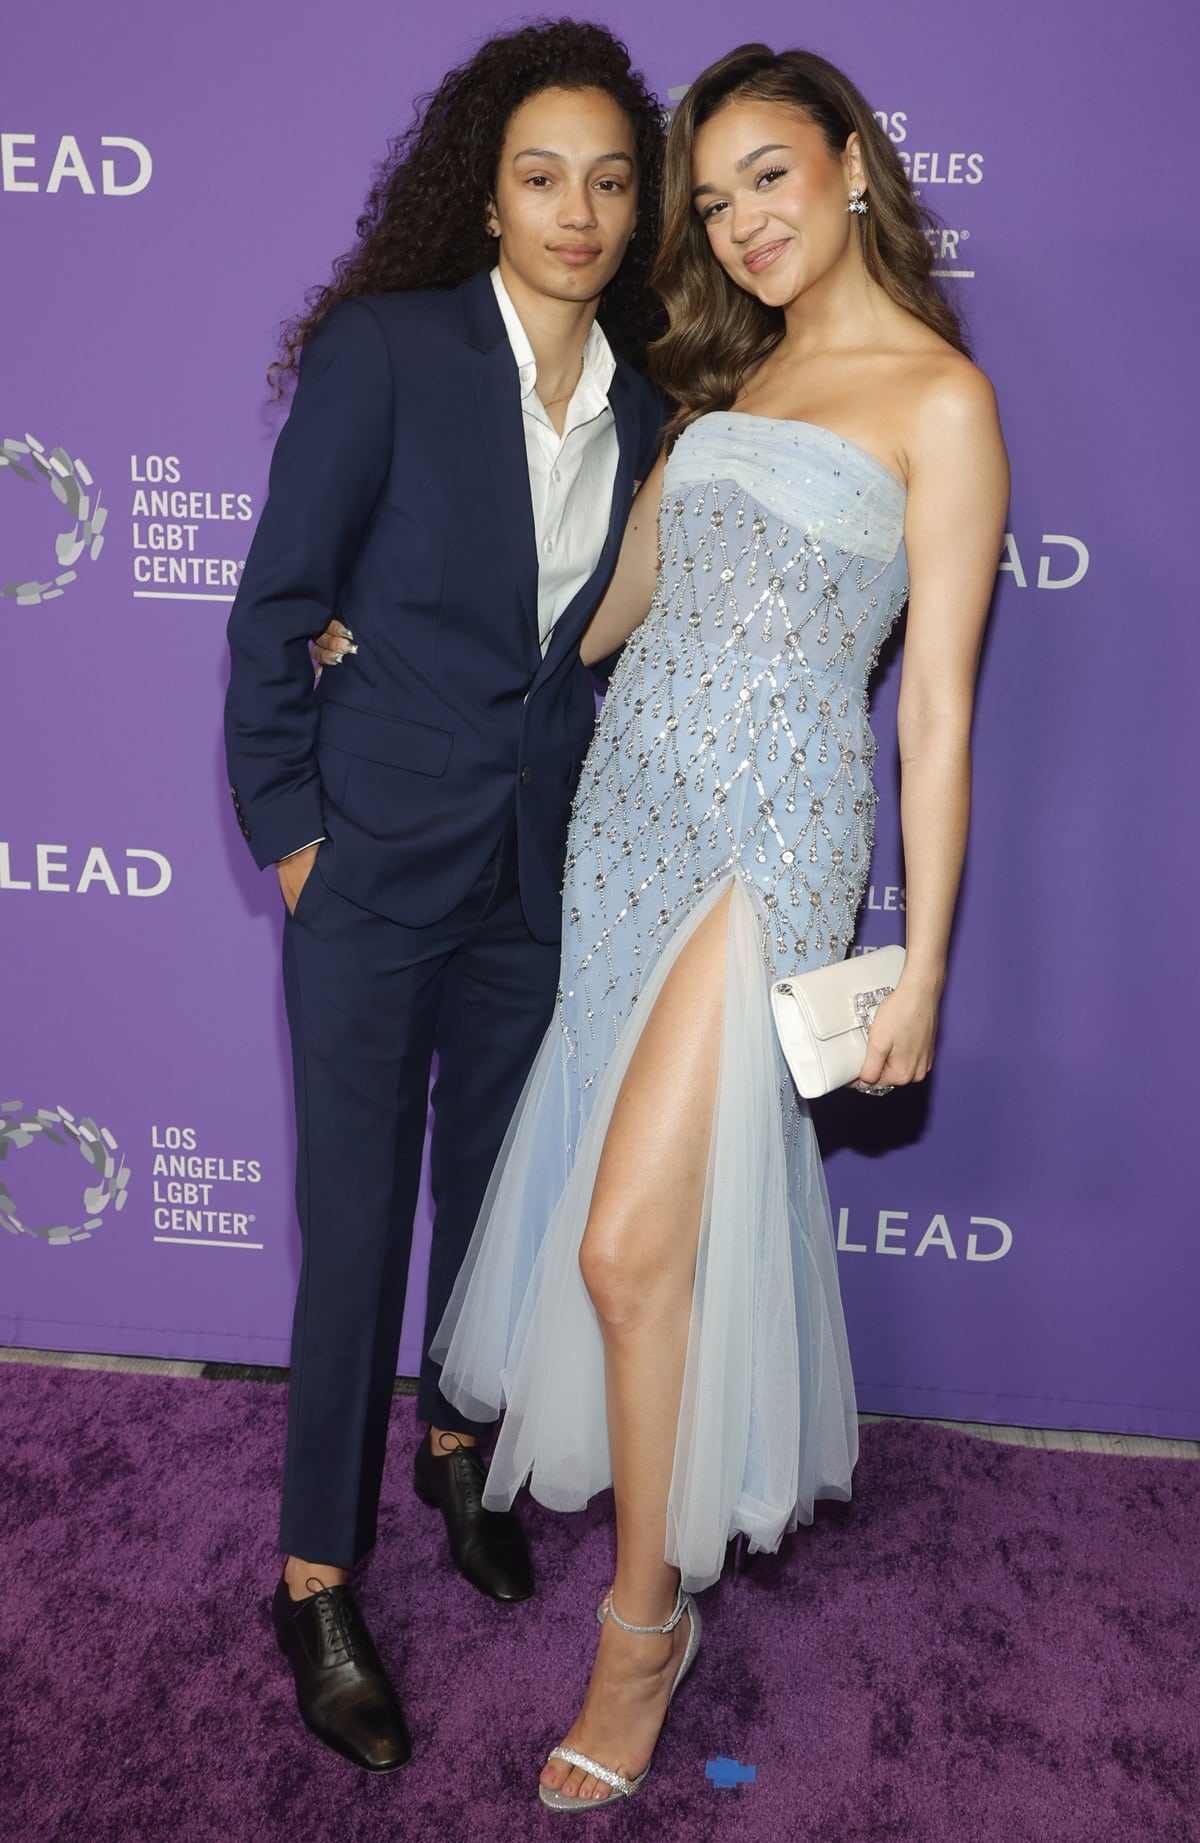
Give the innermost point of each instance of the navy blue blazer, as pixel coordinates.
(399, 500)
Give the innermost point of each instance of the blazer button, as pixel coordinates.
(526, 775)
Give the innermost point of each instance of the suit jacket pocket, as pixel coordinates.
(392, 741)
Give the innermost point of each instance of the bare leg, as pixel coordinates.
(638, 1260)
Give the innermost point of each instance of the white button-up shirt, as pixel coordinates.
(571, 476)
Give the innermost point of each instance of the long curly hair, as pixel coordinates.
(423, 224)
(717, 332)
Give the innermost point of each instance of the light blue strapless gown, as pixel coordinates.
(733, 749)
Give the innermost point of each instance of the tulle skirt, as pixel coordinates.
(767, 1422)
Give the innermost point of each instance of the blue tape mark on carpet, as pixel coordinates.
(726, 1773)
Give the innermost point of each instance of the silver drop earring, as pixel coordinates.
(858, 204)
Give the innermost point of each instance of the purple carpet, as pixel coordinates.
(989, 1644)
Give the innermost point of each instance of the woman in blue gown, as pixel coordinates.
(652, 1290)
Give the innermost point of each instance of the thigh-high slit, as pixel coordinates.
(766, 1417)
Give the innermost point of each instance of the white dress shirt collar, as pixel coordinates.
(572, 476)
(590, 397)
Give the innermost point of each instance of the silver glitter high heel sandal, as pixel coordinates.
(619, 1786)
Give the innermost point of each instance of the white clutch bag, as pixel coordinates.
(823, 1017)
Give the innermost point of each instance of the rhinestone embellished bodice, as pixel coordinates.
(734, 738)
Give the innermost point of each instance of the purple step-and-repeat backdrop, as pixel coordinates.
(1017, 1242)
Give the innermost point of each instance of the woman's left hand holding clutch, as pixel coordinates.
(901, 1038)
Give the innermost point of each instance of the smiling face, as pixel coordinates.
(772, 198)
(566, 194)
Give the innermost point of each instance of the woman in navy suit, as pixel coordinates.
(451, 486)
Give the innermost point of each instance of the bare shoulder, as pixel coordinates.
(957, 466)
(952, 399)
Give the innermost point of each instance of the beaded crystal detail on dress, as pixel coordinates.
(734, 738)
(733, 755)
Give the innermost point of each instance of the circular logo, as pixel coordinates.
(110, 1173)
(73, 487)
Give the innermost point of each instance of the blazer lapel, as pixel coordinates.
(574, 617)
(497, 392)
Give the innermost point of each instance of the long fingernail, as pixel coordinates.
(351, 649)
(335, 659)
(344, 631)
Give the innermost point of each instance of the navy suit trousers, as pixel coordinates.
(370, 1004)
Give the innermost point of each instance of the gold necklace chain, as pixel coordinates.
(548, 403)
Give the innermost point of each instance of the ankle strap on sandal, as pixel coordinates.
(681, 1604)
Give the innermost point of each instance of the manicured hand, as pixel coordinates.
(330, 648)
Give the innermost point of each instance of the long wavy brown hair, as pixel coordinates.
(424, 222)
(716, 332)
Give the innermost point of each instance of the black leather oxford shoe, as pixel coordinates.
(341, 1686)
(488, 1547)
